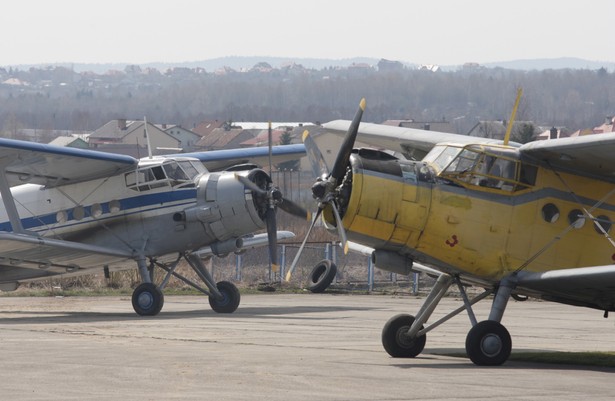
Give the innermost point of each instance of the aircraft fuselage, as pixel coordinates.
(484, 223)
(148, 210)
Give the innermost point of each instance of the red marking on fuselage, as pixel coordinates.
(454, 241)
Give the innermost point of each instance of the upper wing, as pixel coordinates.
(593, 287)
(414, 143)
(590, 155)
(216, 160)
(28, 162)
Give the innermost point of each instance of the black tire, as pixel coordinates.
(321, 276)
(230, 298)
(488, 344)
(147, 299)
(395, 341)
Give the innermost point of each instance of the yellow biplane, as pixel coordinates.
(520, 221)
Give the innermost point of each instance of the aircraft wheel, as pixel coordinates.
(488, 343)
(147, 299)
(396, 341)
(321, 276)
(230, 298)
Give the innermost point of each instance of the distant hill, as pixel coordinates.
(243, 62)
(553, 64)
(235, 62)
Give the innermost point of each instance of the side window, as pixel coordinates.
(408, 171)
(527, 174)
(131, 179)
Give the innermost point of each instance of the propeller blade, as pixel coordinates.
(272, 236)
(292, 208)
(319, 166)
(249, 184)
(294, 264)
(340, 228)
(339, 168)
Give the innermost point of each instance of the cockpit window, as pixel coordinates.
(491, 168)
(170, 173)
(441, 156)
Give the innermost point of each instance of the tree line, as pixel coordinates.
(64, 100)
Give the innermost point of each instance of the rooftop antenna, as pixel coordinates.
(149, 145)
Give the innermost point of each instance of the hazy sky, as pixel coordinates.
(427, 32)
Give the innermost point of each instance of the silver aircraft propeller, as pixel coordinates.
(325, 188)
(273, 198)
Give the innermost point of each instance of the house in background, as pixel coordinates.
(221, 138)
(552, 133)
(70, 141)
(607, 126)
(187, 139)
(261, 138)
(206, 127)
(128, 137)
(439, 126)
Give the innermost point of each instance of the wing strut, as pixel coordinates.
(9, 203)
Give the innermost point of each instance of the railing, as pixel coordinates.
(353, 269)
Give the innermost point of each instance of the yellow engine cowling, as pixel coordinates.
(388, 201)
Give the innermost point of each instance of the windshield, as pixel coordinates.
(441, 156)
(170, 173)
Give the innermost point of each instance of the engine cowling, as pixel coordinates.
(225, 208)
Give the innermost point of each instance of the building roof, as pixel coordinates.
(220, 138)
(439, 126)
(116, 129)
(262, 138)
(206, 127)
(67, 141)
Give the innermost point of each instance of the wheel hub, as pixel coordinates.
(491, 344)
(403, 338)
(145, 300)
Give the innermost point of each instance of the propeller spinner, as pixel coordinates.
(325, 190)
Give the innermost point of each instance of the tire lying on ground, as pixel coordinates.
(321, 276)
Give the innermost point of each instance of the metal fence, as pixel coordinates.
(354, 270)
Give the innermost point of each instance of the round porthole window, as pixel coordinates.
(61, 216)
(78, 213)
(550, 213)
(96, 210)
(576, 218)
(604, 222)
(114, 206)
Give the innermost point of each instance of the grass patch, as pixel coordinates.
(601, 359)
(596, 359)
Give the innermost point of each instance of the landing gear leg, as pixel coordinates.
(224, 296)
(488, 343)
(404, 336)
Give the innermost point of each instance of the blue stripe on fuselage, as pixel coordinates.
(126, 205)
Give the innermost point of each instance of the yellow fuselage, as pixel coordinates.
(482, 231)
